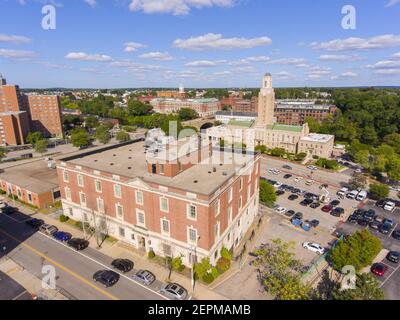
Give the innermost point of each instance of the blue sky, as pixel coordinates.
(199, 43)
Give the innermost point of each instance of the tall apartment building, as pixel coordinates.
(176, 198)
(292, 112)
(20, 114)
(204, 107)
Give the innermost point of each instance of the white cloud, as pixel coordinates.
(212, 41)
(385, 64)
(282, 75)
(392, 3)
(14, 39)
(133, 46)
(388, 72)
(8, 53)
(298, 62)
(396, 55)
(176, 7)
(91, 3)
(160, 56)
(135, 67)
(88, 57)
(249, 60)
(339, 57)
(378, 42)
(205, 63)
(349, 74)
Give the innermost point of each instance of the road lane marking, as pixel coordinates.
(62, 267)
(395, 270)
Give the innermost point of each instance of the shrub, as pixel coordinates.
(226, 254)
(223, 265)
(208, 278)
(177, 264)
(378, 191)
(300, 156)
(261, 149)
(63, 218)
(2, 191)
(151, 254)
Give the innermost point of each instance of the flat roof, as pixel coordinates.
(284, 127)
(237, 123)
(129, 160)
(237, 114)
(34, 176)
(315, 137)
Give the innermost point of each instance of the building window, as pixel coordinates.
(216, 230)
(98, 186)
(80, 180)
(230, 214)
(117, 191)
(82, 198)
(240, 202)
(122, 232)
(217, 207)
(248, 193)
(30, 199)
(230, 194)
(66, 176)
(139, 197)
(119, 210)
(140, 220)
(161, 169)
(100, 205)
(192, 235)
(191, 212)
(241, 184)
(164, 204)
(19, 193)
(165, 226)
(68, 193)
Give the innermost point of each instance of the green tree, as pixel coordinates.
(267, 193)
(80, 138)
(186, 114)
(261, 149)
(280, 272)
(378, 191)
(137, 108)
(40, 146)
(393, 140)
(3, 153)
(358, 250)
(103, 134)
(367, 288)
(91, 122)
(358, 181)
(393, 168)
(363, 157)
(123, 136)
(33, 137)
(278, 152)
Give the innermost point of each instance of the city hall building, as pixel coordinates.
(174, 197)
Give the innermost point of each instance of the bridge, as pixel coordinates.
(200, 123)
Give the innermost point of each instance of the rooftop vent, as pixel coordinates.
(195, 181)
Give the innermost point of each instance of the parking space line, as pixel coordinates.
(395, 270)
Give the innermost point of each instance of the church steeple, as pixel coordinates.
(3, 81)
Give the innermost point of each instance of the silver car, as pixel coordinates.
(174, 291)
(145, 277)
(48, 229)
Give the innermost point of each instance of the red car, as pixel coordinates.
(327, 208)
(379, 269)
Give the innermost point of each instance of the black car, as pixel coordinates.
(287, 176)
(337, 212)
(35, 223)
(353, 219)
(280, 193)
(123, 265)
(306, 202)
(298, 215)
(293, 197)
(359, 212)
(393, 256)
(315, 205)
(369, 215)
(78, 244)
(314, 223)
(385, 228)
(362, 222)
(381, 203)
(396, 234)
(290, 213)
(375, 225)
(287, 167)
(107, 278)
(296, 191)
(9, 210)
(335, 203)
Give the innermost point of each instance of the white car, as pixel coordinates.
(277, 184)
(389, 206)
(271, 171)
(310, 182)
(314, 247)
(280, 210)
(277, 171)
(298, 179)
(313, 168)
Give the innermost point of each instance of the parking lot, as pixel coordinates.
(390, 282)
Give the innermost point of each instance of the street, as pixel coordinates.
(74, 270)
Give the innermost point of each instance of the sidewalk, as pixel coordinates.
(31, 283)
(122, 250)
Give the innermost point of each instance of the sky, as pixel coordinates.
(200, 43)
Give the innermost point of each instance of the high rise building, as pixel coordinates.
(266, 102)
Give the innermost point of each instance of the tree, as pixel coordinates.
(393, 168)
(261, 149)
(80, 138)
(137, 108)
(103, 134)
(267, 193)
(393, 140)
(3, 153)
(33, 137)
(40, 146)
(186, 114)
(358, 250)
(278, 152)
(358, 181)
(363, 157)
(123, 136)
(280, 272)
(91, 122)
(367, 288)
(378, 191)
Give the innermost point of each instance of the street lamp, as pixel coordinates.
(194, 260)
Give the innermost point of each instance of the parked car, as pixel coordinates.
(313, 168)
(342, 192)
(309, 182)
(287, 167)
(337, 212)
(314, 247)
(390, 222)
(48, 229)
(78, 244)
(298, 179)
(353, 219)
(62, 236)
(298, 215)
(280, 210)
(379, 219)
(315, 205)
(389, 206)
(36, 223)
(287, 176)
(362, 195)
(306, 202)
(335, 203)
(293, 197)
(393, 256)
(174, 291)
(375, 225)
(369, 215)
(145, 277)
(381, 203)
(396, 234)
(385, 228)
(314, 223)
(379, 269)
(327, 208)
(352, 195)
(107, 278)
(123, 265)
(290, 213)
(280, 193)
(362, 222)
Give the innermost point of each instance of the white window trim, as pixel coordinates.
(101, 186)
(136, 197)
(115, 191)
(80, 199)
(230, 194)
(240, 202)
(101, 210)
(78, 178)
(137, 218)
(68, 194)
(217, 207)
(230, 214)
(161, 208)
(188, 215)
(65, 174)
(116, 211)
(188, 235)
(162, 227)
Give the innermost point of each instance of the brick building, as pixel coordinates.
(204, 107)
(20, 114)
(238, 104)
(174, 197)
